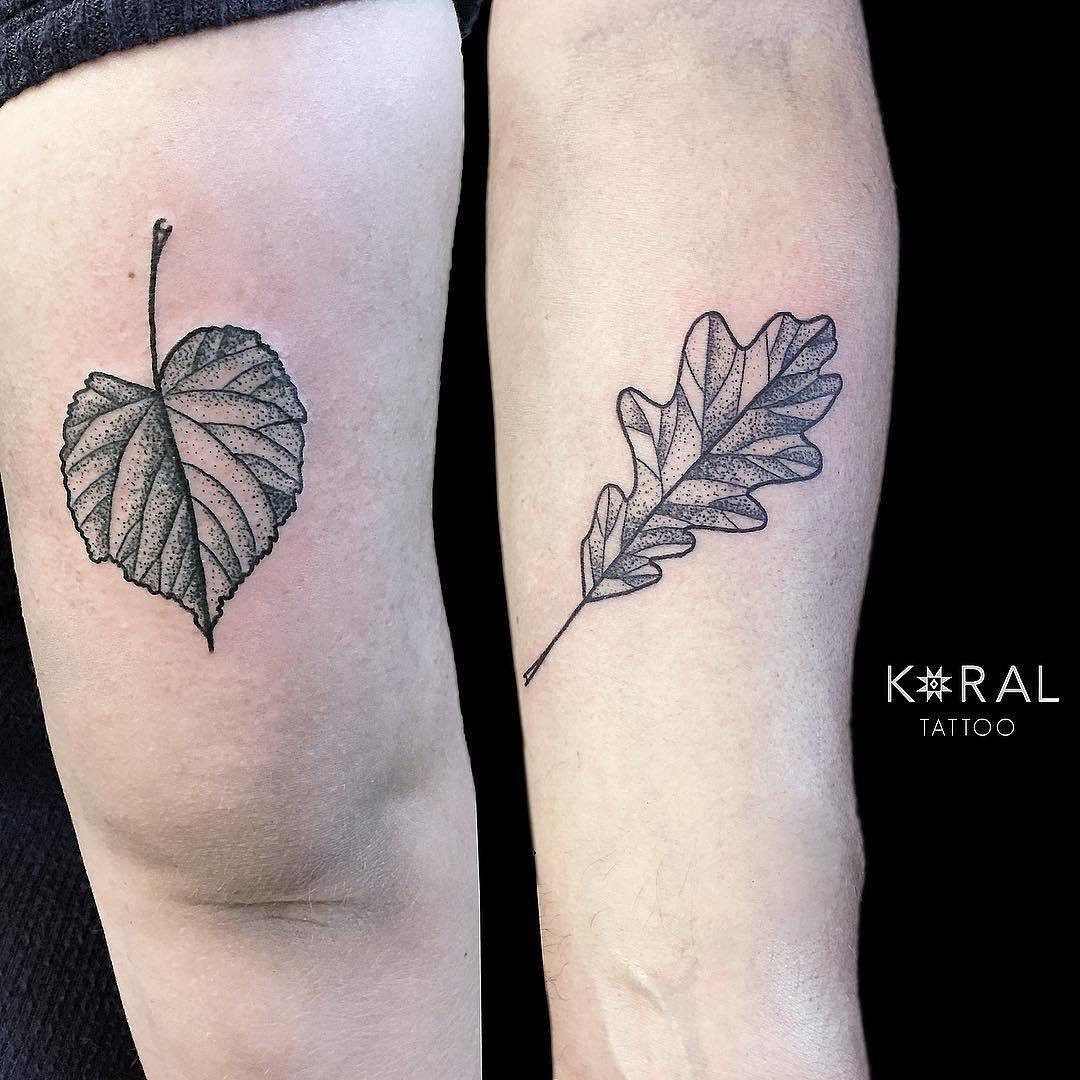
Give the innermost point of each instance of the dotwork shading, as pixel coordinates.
(734, 423)
(185, 484)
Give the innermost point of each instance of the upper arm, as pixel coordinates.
(286, 821)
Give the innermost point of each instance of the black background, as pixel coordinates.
(964, 921)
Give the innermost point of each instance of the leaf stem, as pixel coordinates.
(157, 246)
(531, 673)
(161, 234)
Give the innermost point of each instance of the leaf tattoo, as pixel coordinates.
(734, 423)
(185, 484)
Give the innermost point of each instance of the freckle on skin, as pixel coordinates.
(131, 273)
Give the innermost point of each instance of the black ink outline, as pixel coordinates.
(162, 232)
(587, 598)
(158, 399)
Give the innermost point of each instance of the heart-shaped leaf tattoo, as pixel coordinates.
(734, 423)
(184, 484)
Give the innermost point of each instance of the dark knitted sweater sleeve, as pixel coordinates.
(41, 37)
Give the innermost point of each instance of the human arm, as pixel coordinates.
(689, 767)
(279, 834)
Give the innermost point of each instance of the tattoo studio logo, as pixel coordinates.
(968, 700)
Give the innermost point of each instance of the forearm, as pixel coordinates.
(279, 833)
(688, 757)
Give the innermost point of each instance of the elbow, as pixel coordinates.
(299, 816)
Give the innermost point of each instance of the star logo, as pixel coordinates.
(933, 684)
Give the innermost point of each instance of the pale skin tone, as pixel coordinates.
(280, 839)
(698, 852)
(280, 836)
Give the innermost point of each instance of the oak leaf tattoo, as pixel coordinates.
(185, 484)
(734, 423)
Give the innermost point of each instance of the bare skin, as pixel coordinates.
(698, 851)
(280, 835)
